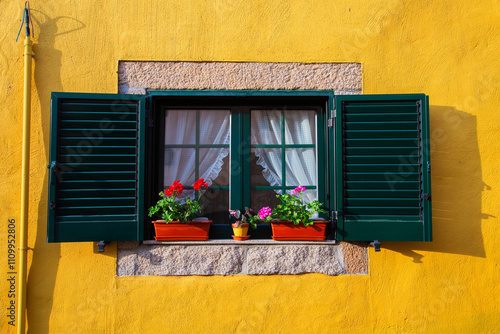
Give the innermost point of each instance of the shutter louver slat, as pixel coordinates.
(380, 185)
(107, 184)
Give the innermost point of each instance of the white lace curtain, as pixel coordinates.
(300, 169)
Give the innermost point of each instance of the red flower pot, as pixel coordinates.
(286, 230)
(175, 230)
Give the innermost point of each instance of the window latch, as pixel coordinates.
(54, 172)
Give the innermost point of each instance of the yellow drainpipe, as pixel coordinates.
(23, 233)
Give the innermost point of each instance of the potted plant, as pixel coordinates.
(178, 214)
(291, 219)
(242, 221)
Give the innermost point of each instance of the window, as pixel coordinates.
(365, 157)
(247, 149)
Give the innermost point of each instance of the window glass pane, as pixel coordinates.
(214, 166)
(180, 127)
(300, 166)
(300, 126)
(309, 196)
(214, 126)
(266, 126)
(179, 165)
(261, 198)
(215, 201)
(265, 167)
(215, 204)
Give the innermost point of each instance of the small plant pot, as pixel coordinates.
(286, 230)
(240, 232)
(175, 230)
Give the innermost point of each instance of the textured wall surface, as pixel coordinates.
(447, 49)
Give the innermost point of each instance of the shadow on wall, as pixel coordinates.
(457, 187)
(47, 67)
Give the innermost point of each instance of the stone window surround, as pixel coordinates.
(229, 257)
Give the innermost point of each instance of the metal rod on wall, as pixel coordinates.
(23, 233)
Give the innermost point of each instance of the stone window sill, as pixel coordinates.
(230, 257)
(212, 242)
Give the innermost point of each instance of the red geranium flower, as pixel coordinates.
(199, 184)
(168, 192)
(177, 187)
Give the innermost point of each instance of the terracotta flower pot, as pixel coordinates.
(175, 230)
(286, 230)
(240, 232)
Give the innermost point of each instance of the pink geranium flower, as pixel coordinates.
(265, 212)
(299, 189)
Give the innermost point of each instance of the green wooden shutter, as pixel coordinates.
(382, 168)
(96, 167)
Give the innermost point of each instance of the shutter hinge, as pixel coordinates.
(333, 114)
(335, 215)
(428, 166)
(427, 197)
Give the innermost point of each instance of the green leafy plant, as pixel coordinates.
(293, 208)
(171, 208)
(247, 217)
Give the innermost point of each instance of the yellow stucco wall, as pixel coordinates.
(448, 49)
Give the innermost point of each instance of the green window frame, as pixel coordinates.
(360, 142)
